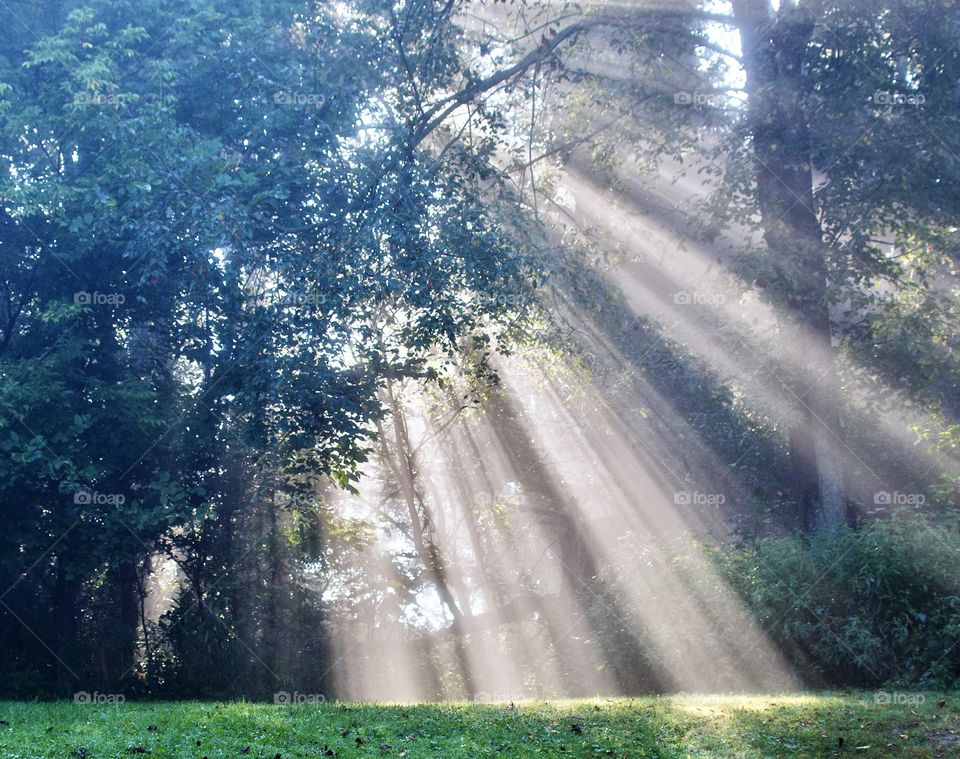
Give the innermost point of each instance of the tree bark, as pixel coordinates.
(405, 472)
(125, 579)
(65, 593)
(774, 45)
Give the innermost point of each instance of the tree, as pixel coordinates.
(209, 212)
(826, 151)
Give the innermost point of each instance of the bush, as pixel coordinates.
(862, 608)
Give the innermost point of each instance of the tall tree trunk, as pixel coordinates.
(65, 594)
(577, 561)
(125, 579)
(773, 49)
(142, 594)
(403, 465)
(272, 617)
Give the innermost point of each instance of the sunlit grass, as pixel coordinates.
(812, 725)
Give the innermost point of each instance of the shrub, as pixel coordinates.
(861, 608)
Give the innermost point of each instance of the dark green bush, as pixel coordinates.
(862, 608)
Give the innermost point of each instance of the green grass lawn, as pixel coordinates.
(829, 725)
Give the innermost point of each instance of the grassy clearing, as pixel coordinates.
(815, 725)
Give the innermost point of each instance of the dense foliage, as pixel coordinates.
(255, 256)
(870, 607)
(222, 232)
